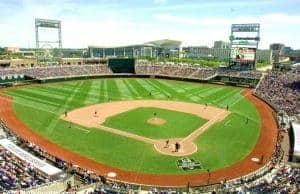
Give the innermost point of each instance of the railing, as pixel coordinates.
(51, 187)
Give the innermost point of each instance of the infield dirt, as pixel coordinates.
(95, 115)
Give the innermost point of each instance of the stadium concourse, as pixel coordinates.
(279, 89)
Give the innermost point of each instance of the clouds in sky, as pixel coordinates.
(116, 22)
(160, 1)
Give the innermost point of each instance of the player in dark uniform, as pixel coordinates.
(177, 146)
(167, 143)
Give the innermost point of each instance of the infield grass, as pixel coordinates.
(178, 124)
(225, 143)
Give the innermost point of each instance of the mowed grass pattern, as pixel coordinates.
(178, 124)
(222, 145)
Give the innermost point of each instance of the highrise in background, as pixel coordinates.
(221, 44)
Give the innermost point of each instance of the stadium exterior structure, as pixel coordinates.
(220, 53)
(158, 48)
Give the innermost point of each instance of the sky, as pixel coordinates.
(124, 22)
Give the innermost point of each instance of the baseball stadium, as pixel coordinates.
(164, 125)
(132, 120)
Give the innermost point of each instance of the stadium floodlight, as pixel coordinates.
(45, 23)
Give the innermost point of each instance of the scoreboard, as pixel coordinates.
(244, 39)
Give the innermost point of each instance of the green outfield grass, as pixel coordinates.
(220, 146)
(178, 124)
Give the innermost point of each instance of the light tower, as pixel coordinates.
(45, 23)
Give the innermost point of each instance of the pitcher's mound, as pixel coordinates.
(156, 121)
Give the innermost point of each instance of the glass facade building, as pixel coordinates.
(159, 48)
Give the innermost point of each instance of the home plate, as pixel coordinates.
(111, 174)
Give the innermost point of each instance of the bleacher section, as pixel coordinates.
(197, 72)
(281, 90)
(66, 71)
(56, 71)
(174, 70)
(20, 170)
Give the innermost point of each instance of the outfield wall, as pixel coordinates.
(235, 81)
(124, 75)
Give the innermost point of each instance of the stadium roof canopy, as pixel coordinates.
(296, 65)
(164, 42)
(156, 43)
(296, 130)
(31, 159)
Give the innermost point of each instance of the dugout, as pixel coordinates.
(122, 65)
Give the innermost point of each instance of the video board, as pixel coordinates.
(243, 55)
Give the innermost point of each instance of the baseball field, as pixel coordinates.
(221, 144)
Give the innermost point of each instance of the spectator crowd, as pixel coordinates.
(18, 174)
(174, 70)
(183, 70)
(57, 71)
(66, 71)
(239, 74)
(169, 69)
(281, 90)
